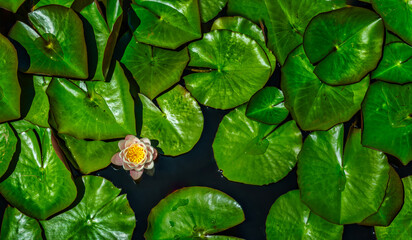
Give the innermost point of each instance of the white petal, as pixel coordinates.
(146, 141)
(149, 166)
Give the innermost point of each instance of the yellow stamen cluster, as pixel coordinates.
(135, 153)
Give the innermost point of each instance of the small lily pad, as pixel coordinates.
(39, 109)
(387, 119)
(8, 142)
(16, 225)
(193, 212)
(210, 8)
(251, 152)
(41, 3)
(11, 5)
(342, 186)
(230, 67)
(177, 125)
(290, 219)
(340, 41)
(100, 214)
(267, 106)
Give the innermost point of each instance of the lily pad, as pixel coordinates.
(401, 226)
(267, 106)
(343, 187)
(251, 152)
(314, 104)
(11, 5)
(8, 142)
(56, 45)
(387, 119)
(395, 14)
(9, 84)
(40, 184)
(289, 218)
(210, 8)
(167, 24)
(177, 125)
(193, 212)
(154, 69)
(340, 41)
(41, 3)
(39, 109)
(391, 204)
(100, 214)
(16, 225)
(396, 64)
(88, 156)
(97, 110)
(230, 67)
(391, 38)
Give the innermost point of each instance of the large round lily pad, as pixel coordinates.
(93, 110)
(401, 226)
(396, 64)
(387, 119)
(396, 14)
(251, 152)
(100, 214)
(40, 184)
(230, 68)
(342, 186)
(193, 212)
(154, 69)
(9, 84)
(167, 23)
(16, 225)
(11, 5)
(56, 45)
(8, 142)
(177, 125)
(314, 104)
(210, 8)
(340, 41)
(290, 219)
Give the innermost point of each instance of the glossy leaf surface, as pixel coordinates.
(167, 23)
(387, 119)
(314, 104)
(289, 218)
(231, 67)
(97, 110)
(177, 125)
(11, 5)
(250, 152)
(8, 142)
(342, 186)
(16, 225)
(41, 3)
(100, 214)
(154, 69)
(193, 212)
(39, 108)
(341, 41)
(210, 8)
(267, 106)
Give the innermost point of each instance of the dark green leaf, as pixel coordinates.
(41, 3)
(8, 142)
(39, 109)
(11, 5)
(210, 8)
(16, 225)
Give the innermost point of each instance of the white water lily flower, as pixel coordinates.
(135, 155)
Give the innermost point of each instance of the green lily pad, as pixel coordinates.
(251, 152)
(210, 8)
(40, 184)
(267, 106)
(231, 68)
(97, 110)
(289, 218)
(11, 5)
(9, 84)
(100, 214)
(16, 225)
(41, 3)
(39, 108)
(343, 187)
(8, 142)
(340, 41)
(242, 25)
(101, 37)
(391, 204)
(56, 45)
(396, 64)
(395, 14)
(401, 226)
(387, 119)
(391, 38)
(314, 104)
(154, 69)
(177, 125)
(167, 24)
(193, 212)
(88, 156)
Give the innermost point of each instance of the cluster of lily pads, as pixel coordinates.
(79, 75)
